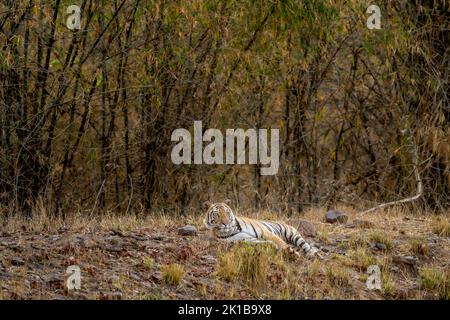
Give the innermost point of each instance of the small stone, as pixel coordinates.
(113, 248)
(17, 262)
(408, 260)
(157, 238)
(394, 269)
(326, 249)
(55, 281)
(350, 225)
(62, 229)
(110, 296)
(188, 230)
(336, 217)
(87, 243)
(380, 246)
(138, 237)
(208, 259)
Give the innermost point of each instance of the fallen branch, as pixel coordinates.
(418, 180)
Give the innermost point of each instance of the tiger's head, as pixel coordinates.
(220, 217)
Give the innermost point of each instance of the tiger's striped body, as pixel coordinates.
(226, 225)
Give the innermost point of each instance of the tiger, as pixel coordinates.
(227, 226)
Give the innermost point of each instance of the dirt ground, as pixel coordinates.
(146, 258)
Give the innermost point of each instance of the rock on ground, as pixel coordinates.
(188, 230)
(335, 217)
(305, 227)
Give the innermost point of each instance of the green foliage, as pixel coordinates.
(103, 112)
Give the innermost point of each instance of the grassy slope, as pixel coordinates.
(133, 258)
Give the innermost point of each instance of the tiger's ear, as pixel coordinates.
(228, 201)
(206, 204)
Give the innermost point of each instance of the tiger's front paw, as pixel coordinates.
(292, 254)
(314, 253)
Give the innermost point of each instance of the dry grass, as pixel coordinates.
(381, 237)
(313, 269)
(148, 263)
(254, 264)
(338, 275)
(172, 274)
(144, 258)
(228, 267)
(324, 235)
(436, 280)
(387, 283)
(249, 263)
(119, 282)
(358, 240)
(441, 226)
(361, 258)
(419, 245)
